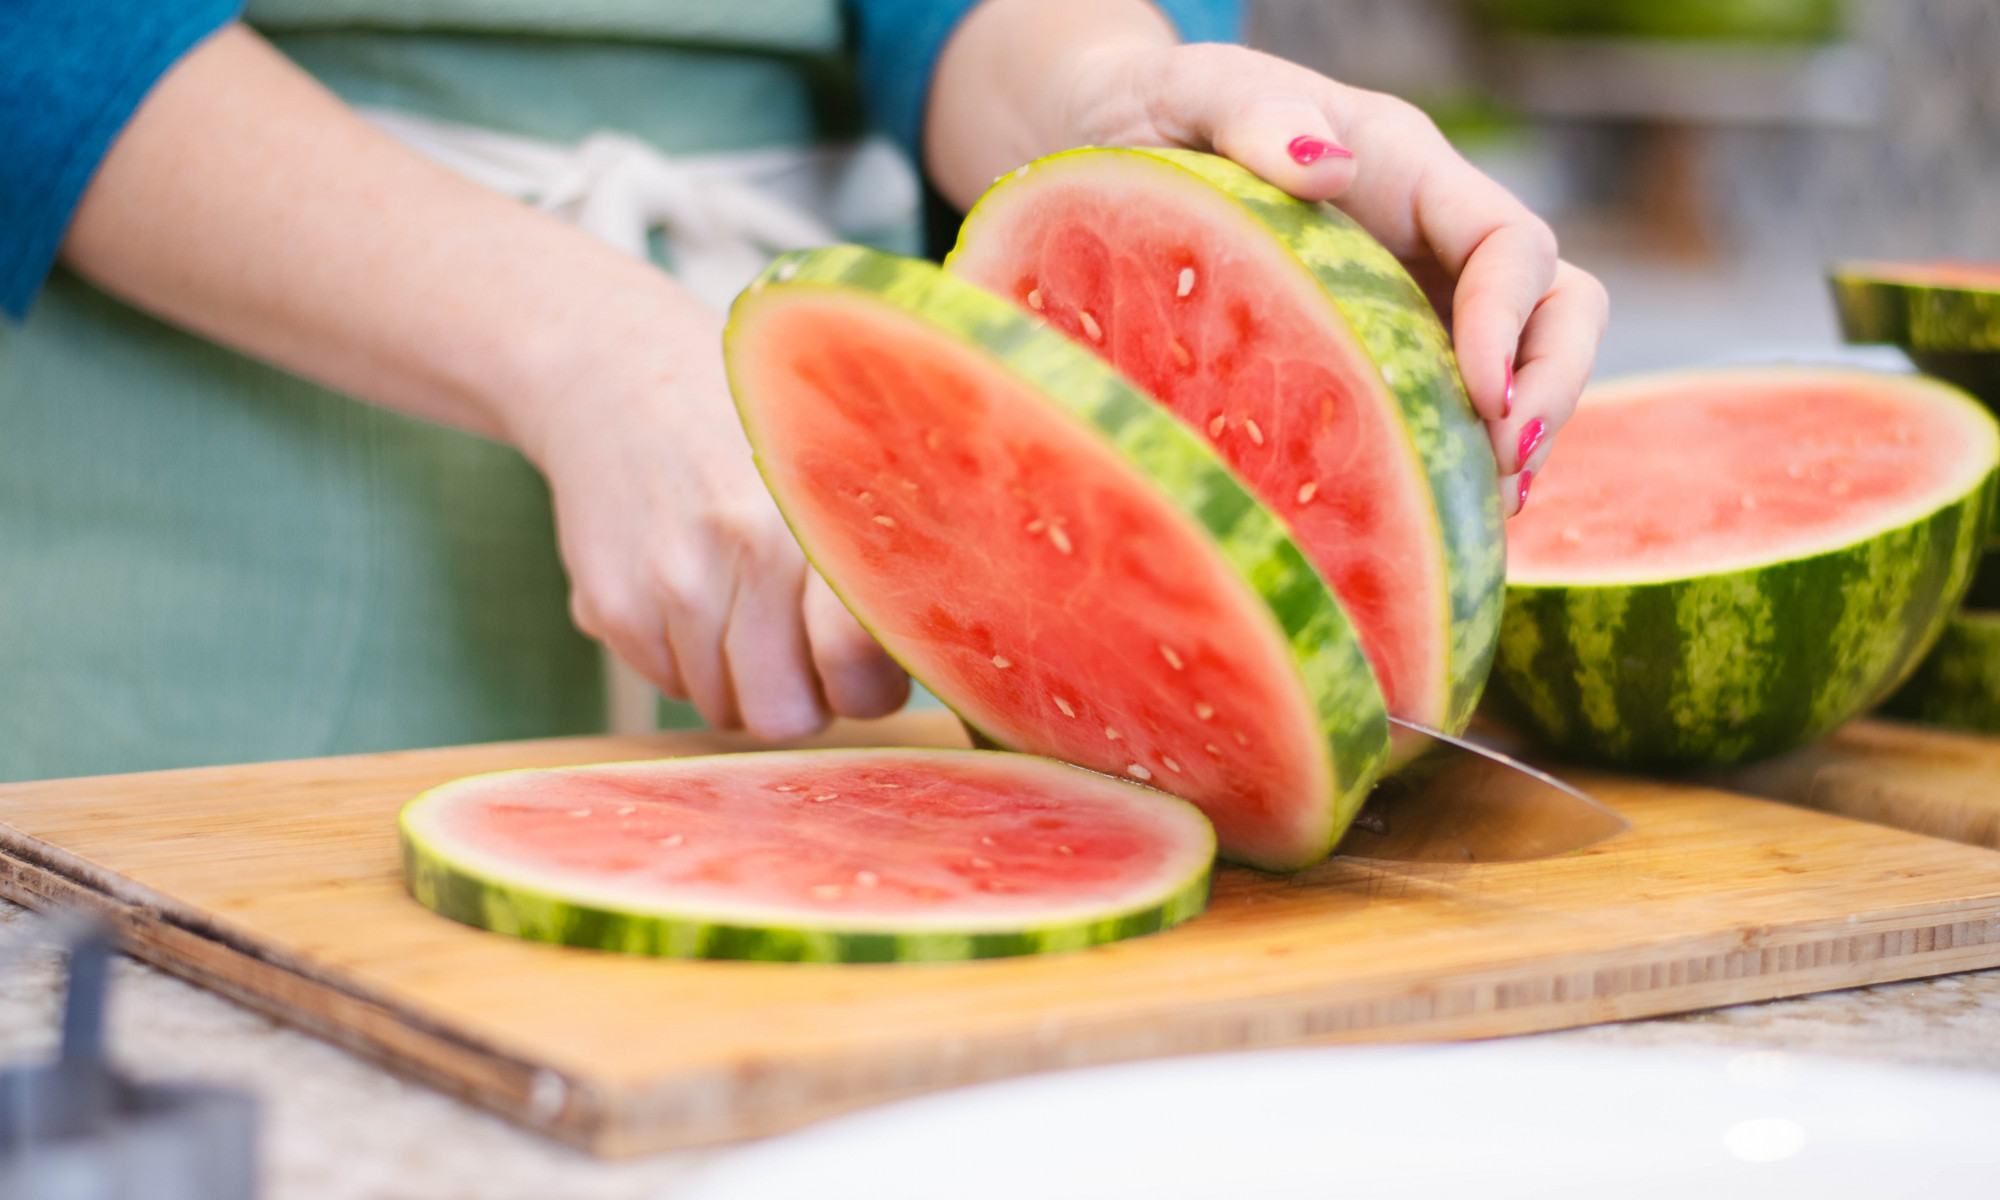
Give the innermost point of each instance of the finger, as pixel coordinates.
(770, 664)
(694, 598)
(856, 674)
(1558, 348)
(1499, 287)
(633, 631)
(1265, 113)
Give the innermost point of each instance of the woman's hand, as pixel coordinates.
(245, 202)
(1023, 78)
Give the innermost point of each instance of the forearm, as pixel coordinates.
(1006, 88)
(248, 204)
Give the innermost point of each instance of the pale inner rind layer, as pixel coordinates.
(1002, 549)
(1712, 472)
(909, 841)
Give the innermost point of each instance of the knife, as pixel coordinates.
(1457, 801)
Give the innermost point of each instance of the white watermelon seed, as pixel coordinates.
(627, 811)
(1256, 434)
(1064, 850)
(1173, 659)
(1059, 539)
(1185, 283)
(867, 878)
(1063, 704)
(885, 522)
(909, 485)
(579, 812)
(827, 796)
(982, 864)
(826, 891)
(1180, 354)
(1035, 299)
(865, 497)
(987, 841)
(788, 787)
(1171, 764)
(1572, 535)
(1216, 424)
(1241, 740)
(1113, 734)
(1090, 326)
(1002, 662)
(1212, 749)
(1307, 491)
(1204, 711)
(1036, 525)
(673, 839)
(1138, 772)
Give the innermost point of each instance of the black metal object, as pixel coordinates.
(76, 1130)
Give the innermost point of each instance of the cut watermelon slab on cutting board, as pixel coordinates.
(279, 885)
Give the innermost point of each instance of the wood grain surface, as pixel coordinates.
(1930, 781)
(278, 884)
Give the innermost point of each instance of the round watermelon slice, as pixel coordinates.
(1296, 346)
(1721, 565)
(1062, 563)
(810, 856)
(1945, 314)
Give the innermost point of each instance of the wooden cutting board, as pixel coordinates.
(278, 885)
(1910, 777)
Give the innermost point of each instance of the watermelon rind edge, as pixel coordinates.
(1878, 307)
(1730, 667)
(445, 883)
(1375, 298)
(1325, 650)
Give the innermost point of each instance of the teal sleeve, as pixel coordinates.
(72, 72)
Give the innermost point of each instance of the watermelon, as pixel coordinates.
(1062, 563)
(1719, 565)
(1958, 684)
(1296, 346)
(810, 856)
(1946, 315)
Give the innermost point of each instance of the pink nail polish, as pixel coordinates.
(1307, 150)
(1507, 397)
(1527, 477)
(1531, 437)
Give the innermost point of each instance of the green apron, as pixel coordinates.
(208, 560)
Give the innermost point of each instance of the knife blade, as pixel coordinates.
(1457, 801)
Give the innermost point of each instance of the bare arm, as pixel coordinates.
(250, 205)
(1024, 78)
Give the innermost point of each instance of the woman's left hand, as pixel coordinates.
(1524, 323)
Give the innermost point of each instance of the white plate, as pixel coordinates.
(1487, 1120)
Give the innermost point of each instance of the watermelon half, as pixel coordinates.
(1719, 565)
(1958, 683)
(1946, 315)
(1065, 565)
(1295, 345)
(810, 856)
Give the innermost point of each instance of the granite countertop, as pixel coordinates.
(338, 1128)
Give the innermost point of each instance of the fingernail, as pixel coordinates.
(1507, 397)
(1527, 477)
(1531, 437)
(1307, 150)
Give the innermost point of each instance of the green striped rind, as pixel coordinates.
(1912, 315)
(1400, 332)
(447, 885)
(1337, 677)
(1730, 667)
(1958, 684)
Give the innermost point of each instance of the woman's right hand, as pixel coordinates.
(678, 559)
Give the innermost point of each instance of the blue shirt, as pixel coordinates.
(73, 71)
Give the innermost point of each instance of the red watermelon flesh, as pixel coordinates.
(1204, 310)
(902, 839)
(1727, 470)
(1084, 617)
